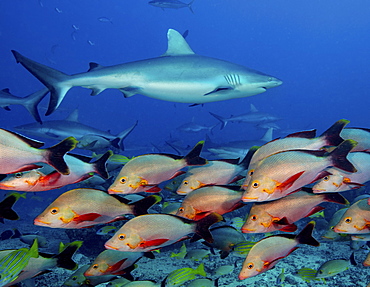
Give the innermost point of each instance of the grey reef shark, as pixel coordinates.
(179, 75)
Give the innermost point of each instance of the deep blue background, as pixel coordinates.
(320, 49)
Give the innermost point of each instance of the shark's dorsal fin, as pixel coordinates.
(73, 117)
(94, 66)
(253, 109)
(177, 46)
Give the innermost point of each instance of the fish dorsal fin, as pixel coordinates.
(73, 117)
(94, 66)
(253, 109)
(177, 45)
(267, 137)
(6, 90)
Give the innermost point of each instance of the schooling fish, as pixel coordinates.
(173, 4)
(145, 172)
(35, 180)
(83, 207)
(283, 173)
(216, 172)
(13, 263)
(360, 135)
(45, 262)
(203, 201)
(183, 275)
(107, 230)
(330, 233)
(333, 267)
(308, 274)
(112, 262)
(356, 219)
(152, 231)
(339, 180)
(267, 252)
(78, 278)
(18, 153)
(282, 213)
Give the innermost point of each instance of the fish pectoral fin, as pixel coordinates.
(281, 221)
(153, 243)
(96, 91)
(289, 228)
(86, 217)
(220, 89)
(153, 189)
(51, 178)
(113, 269)
(289, 182)
(314, 210)
(130, 91)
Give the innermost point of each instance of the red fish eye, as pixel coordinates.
(185, 182)
(18, 175)
(255, 184)
(122, 180)
(121, 236)
(326, 178)
(254, 217)
(54, 210)
(250, 265)
(95, 266)
(348, 219)
(251, 172)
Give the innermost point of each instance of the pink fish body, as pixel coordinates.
(144, 172)
(208, 199)
(36, 180)
(213, 173)
(112, 262)
(282, 213)
(339, 180)
(152, 231)
(267, 252)
(85, 207)
(356, 220)
(18, 153)
(283, 173)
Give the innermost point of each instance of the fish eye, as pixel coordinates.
(326, 178)
(332, 227)
(250, 265)
(95, 266)
(123, 180)
(54, 210)
(18, 175)
(122, 236)
(348, 220)
(181, 209)
(255, 184)
(254, 217)
(74, 278)
(185, 182)
(269, 79)
(251, 172)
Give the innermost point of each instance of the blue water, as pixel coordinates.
(320, 49)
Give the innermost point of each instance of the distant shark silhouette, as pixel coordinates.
(179, 75)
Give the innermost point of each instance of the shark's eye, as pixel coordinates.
(255, 184)
(123, 180)
(251, 172)
(95, 266)
(54, 210)
(122, 236)
(250, 265)
(185, 182)
(254, 217)
(18, 175)
(348, 220)
(326, 178)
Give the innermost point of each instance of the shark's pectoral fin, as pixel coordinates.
(96, 91)
(130, 91)
(220, 90)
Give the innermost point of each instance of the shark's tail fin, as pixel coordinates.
(118, 142)
(221, 119)
(31, 102)
(191, 8)
(53, 79)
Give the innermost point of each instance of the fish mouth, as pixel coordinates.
(246, 230)
(338, 230)
(244, 198)
(38, 221)
(181, 192)
(110, 246)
